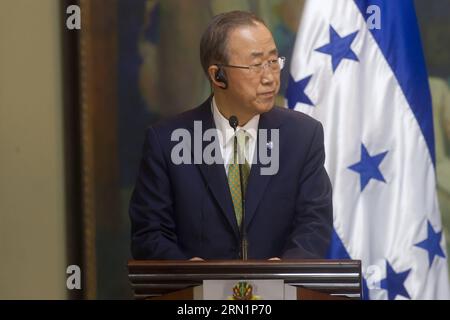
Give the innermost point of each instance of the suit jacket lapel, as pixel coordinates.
(215, 174)
(257, 182)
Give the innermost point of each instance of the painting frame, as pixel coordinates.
(99, 168)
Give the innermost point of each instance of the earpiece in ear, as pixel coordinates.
(221, 77)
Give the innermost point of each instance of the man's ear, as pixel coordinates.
(217, 77)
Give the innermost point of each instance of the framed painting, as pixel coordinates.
(138, 62)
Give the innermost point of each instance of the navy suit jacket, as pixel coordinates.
(184, 211)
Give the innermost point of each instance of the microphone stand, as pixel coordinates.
(244, 243)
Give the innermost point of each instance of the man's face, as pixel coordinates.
(254, 91)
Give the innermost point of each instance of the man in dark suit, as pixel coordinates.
(193, 209)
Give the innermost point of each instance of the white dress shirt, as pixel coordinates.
(226, 134)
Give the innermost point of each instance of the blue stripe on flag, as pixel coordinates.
(399, 41)
(337, 251)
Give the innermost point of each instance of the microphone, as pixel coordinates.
(233, 121)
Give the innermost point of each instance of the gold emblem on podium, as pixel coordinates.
(243, 291)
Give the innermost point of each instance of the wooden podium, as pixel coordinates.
(312, 279)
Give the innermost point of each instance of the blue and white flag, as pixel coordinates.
(358, 67)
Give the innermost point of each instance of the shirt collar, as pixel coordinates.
(226, 131)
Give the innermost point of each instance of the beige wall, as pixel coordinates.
(32, 213)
